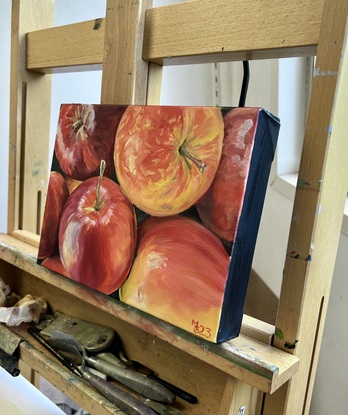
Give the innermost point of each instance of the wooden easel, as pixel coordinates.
(247, 371)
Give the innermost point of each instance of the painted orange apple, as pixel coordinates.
(220, 207)
(97, 235)
(166, 157)
(57, 194)
(85, 135)
(179, 274)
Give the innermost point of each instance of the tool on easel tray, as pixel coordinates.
(116, 370)
(114, 394)
(139, 367)
(99, 340)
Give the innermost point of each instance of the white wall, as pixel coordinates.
(195, 86)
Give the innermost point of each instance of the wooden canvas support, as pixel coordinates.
(181, 34)
(213, 372)
(124, 72)
(317, 214)
(29, 122)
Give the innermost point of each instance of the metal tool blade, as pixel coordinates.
(135, 381)
(114, 394)
(93, 337)
(109, 357)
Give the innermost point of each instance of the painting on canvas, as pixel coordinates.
(159, 207)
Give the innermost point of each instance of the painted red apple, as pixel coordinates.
(97, 235)
(85, 135)
(166, 157)
(72, 184)
(220, 208)
(57, 194)
(54, 264)
(179, 274)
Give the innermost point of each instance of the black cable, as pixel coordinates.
(245, 84)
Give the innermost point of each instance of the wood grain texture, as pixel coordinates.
(29, 121)
(207, 31)
(238, 396)
(154, 86)
(252, 361)
(257, 329)
(317, 214)
(73, 47)
(33, 354)
(29, 374)
(124, 79)
(245, 397)
(28, 237)
(191, 32)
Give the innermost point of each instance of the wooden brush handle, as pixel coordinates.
(120, 398)
(135, 381)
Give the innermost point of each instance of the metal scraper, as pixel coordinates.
(93, 337)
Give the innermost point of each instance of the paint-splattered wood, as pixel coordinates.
(258, 364)
(170, 363)
(39, 359)
(317, 214)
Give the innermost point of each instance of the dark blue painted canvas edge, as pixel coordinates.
(242, 250)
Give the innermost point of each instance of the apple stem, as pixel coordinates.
(188, 156)
(77, 124)
(97, 205)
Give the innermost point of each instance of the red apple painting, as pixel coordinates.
(85, 135)
(221, 206)
(159, 207)
(98, 222)
(56, 196)
(54, 263)
(166, 158)
(180, 270)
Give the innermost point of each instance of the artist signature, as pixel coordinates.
(201, 329)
